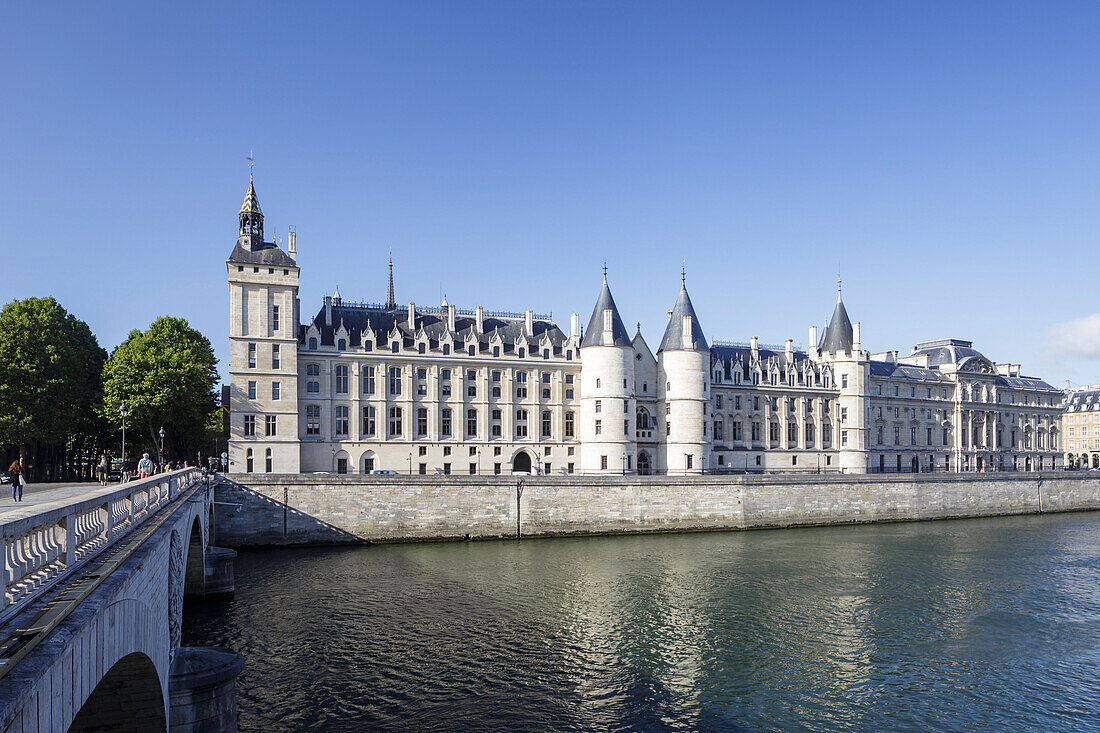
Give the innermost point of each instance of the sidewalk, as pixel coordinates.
(35, 494)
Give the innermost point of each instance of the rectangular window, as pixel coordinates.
(690, 461)
(395, 422)
(599, 427)
(249, 425)
(844, 381)
(369, 426)
(274, 390)
(521, 423)
(844, 437)
(496, 425)
(252, 356)
(599, 406)
(422, 382)
(368, 380)
(275, 356)
(445, 423)
(395, 380)
(313, 419)
(275, 318)
(251, 390)
(603, 462)
(545, 424)
(342, 420)
(471, 383)
(421, 422)
(341, 379)
(471, 423)
(269, 425)
(569, 424)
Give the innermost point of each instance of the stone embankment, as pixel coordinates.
(275, 510)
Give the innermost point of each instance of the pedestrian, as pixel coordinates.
(15, 472)
(102, 469)
(145, 466)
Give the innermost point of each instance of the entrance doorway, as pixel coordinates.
(643, 464)
(521, 463)
(916, 465)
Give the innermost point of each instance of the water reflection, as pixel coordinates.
(945, 625)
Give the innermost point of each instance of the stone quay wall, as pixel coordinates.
(279, 510)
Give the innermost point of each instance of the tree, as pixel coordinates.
(167, 375)
(50, 367)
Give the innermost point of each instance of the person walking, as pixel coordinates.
(145, 466)
(15, 472)
(102, 469)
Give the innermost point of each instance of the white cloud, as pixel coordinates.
(1079, 337)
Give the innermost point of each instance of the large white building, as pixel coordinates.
(439, 390)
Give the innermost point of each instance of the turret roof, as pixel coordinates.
(594, 334)
(251, 204)
(838, 334)
(674, 333)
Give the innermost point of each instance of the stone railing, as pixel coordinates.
(41, 548)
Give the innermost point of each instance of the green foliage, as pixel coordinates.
(50, 364)
(167, 375)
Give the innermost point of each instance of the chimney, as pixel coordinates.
(754, 344)
(450, 318)
(480, 315)
(575, 325)
(529, 323)
(291, 250)
(328, 310)
(855, 338)
(813, 337)
(789, 348)
(685, 325)
(412, 316)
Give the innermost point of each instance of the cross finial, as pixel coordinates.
(605, 271)
(683, 273)
(250, 163)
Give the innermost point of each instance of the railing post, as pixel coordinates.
(5, 573)
(69, 522)
(107, 521)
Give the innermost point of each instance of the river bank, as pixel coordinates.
(282, 510)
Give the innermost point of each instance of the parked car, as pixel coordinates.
(5, 479)
(383, 472)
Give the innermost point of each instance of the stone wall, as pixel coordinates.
(305, 509)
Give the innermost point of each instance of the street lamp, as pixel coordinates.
(162, 445)
(123, 410)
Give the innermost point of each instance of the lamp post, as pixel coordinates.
(161, 445)
(123, 410)
(410, 464)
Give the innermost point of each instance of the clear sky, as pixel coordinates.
(947, 156)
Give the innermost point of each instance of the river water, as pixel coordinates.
(987, 624)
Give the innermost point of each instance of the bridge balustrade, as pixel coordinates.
(42, 548)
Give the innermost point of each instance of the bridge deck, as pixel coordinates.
(37, 494)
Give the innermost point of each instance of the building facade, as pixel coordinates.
(1081, 427)
(362, 387)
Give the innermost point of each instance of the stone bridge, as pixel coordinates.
(92, 607)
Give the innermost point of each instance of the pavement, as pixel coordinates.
(34, 494)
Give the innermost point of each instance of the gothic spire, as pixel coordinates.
(390, 303)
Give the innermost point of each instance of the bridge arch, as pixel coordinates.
(130, 697)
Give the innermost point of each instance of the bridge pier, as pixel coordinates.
(219, 572)
(202, 690)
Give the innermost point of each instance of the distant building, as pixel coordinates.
(359, 387)
(1081, 427)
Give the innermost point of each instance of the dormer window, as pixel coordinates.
(496, 351)
(446, 349)
(546, 353)
(342, 345)
(368, 345)
(522, 352)
(421, 348)
(313, 343)
(471, 350)
(395, 347)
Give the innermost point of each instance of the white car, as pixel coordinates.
(383, 472)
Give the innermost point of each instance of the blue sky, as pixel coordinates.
(945, 155)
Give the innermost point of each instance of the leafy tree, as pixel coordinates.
(167, 375)
(50, 366)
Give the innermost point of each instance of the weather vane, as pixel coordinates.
(250, 162)
(683, 273)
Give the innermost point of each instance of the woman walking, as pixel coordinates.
(15, 471)
(102, 469)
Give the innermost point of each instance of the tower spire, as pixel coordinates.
(390, 303)
(683, 273)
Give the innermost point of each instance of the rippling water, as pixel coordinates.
(960, 625)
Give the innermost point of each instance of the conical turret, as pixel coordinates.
(838, 336)
(605, 327)
(683, 331)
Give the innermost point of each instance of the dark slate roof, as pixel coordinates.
(269, 254)
(905, 371)
(357, 318)
(251, 203)
(838, 334)
(728, 355)
(674, 333)
(1084, 400)
(947, 351)
(594, 335)
(1023, 383)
